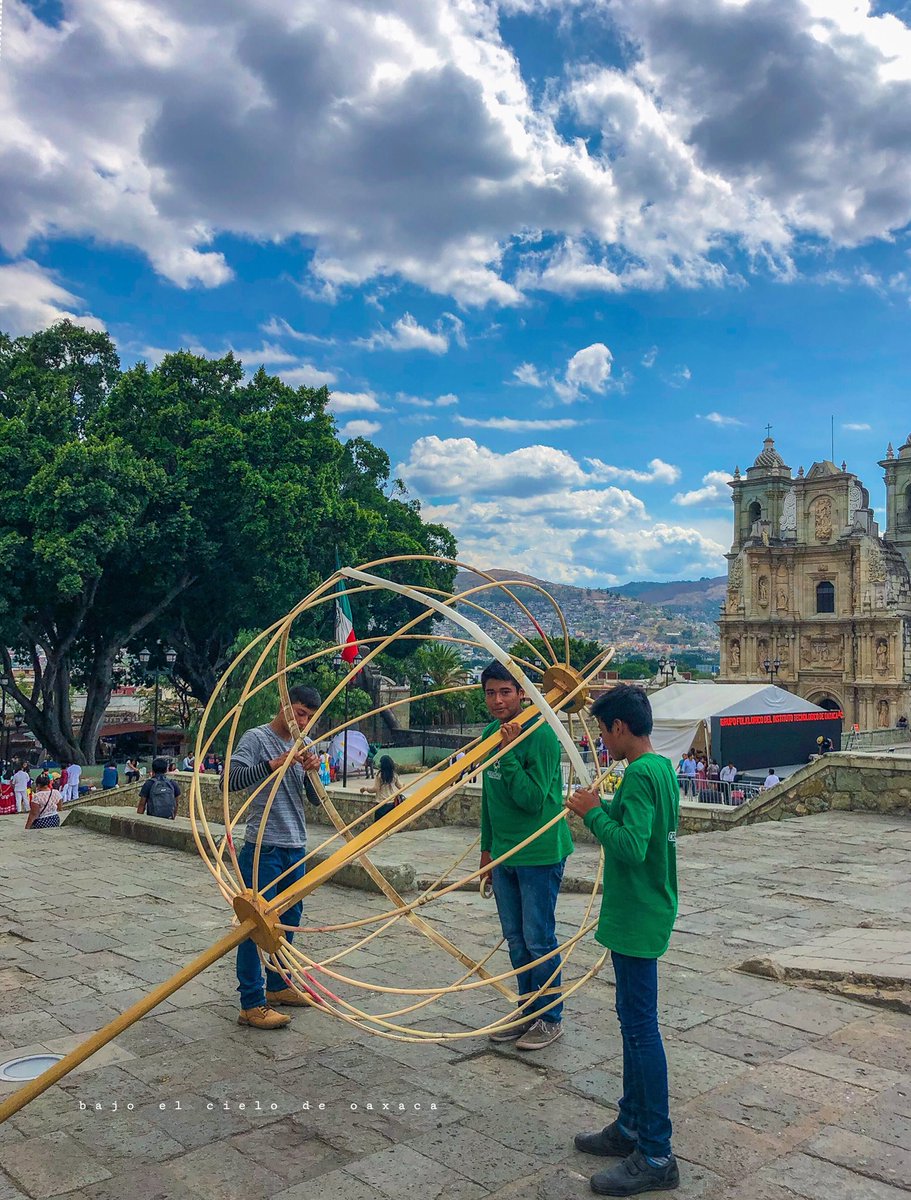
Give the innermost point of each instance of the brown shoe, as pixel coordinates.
(290, 996)
(262, 1017)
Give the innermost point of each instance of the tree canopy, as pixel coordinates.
(180, 503)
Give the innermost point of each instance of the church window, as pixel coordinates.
(825, 597)
(755, 512)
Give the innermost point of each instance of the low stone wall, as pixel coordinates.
(841, 781)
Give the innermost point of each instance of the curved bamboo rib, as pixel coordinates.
(354, 840)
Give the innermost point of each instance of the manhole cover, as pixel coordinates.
(19, 1070)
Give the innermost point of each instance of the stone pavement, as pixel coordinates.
(778, 1091)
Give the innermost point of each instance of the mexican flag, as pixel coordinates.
(344, 626)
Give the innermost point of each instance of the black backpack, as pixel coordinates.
(161, 800)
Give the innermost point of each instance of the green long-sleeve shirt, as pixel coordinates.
(520, 793)
(639, 834)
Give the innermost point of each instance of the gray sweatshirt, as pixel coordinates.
(287, 825)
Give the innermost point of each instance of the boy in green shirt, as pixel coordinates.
(639, 834)
(521, 792)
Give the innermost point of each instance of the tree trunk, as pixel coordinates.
(97, 697)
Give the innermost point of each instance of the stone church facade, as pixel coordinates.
(813, 585)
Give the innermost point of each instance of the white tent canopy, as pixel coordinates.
(683, 711)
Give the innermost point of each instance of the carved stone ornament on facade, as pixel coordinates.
(882, 654)
(855, 502)
(876, 567)
(789, 515)
(882, 713)
(762, 653)
(823, 519)
(734, 655)
(821, 652)
(763, 591)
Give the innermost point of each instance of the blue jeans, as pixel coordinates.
(527, 902)
(644, 1105)
(273, 860)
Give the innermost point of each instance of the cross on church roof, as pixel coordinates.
(768, 430)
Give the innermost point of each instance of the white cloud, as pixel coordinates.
(306, 375)
(406, 334)
(516, 425)
(32, 299)
(355, 429)
(588, 370)
(528, 374)
(857, 426)
(537, 509)
(344, 402)
(278, 327)
(402, 142)
(714, 491)
(658, 472)
(445, 401)
(648, 358)
(716, 418)
(681, 376)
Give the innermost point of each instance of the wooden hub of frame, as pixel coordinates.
(250, 907)
(565, 679)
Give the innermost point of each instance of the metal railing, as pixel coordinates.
(870, 739)
(717, 791)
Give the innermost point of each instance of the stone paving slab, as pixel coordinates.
(778, 1092)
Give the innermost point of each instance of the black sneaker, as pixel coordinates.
(501, 1036)
(609, 1142)
(636, 1174)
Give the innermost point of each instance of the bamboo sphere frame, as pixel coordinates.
(259, 916)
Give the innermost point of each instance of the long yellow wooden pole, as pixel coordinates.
(53, 1074)
(410, 806)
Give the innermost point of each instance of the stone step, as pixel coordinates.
(411, 861)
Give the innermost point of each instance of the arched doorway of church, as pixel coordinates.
(826, 701)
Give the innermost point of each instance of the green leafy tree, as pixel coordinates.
(178, 504)
(582, 651)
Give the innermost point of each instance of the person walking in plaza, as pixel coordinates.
(728, 775)
(259, 753)
(689, 774)
(638, 831)
(387, 788)
(520, 792)
(7, 794)
(44, 806)
(73, 778)
(22, 781)
(158, 796)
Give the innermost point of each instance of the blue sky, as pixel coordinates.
(563, 260)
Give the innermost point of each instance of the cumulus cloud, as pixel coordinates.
(355, 429)
(31, 299)
(717, 418)
(517, 424)
(588, 370)
(306, 375)
(406, 334)
(658, 472)
(538, 510)
(401, 141)
(714, 491)
(345, 402)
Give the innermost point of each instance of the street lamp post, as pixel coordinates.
(667, 667)
(772, 667)
(426, 681)
(145, 656)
